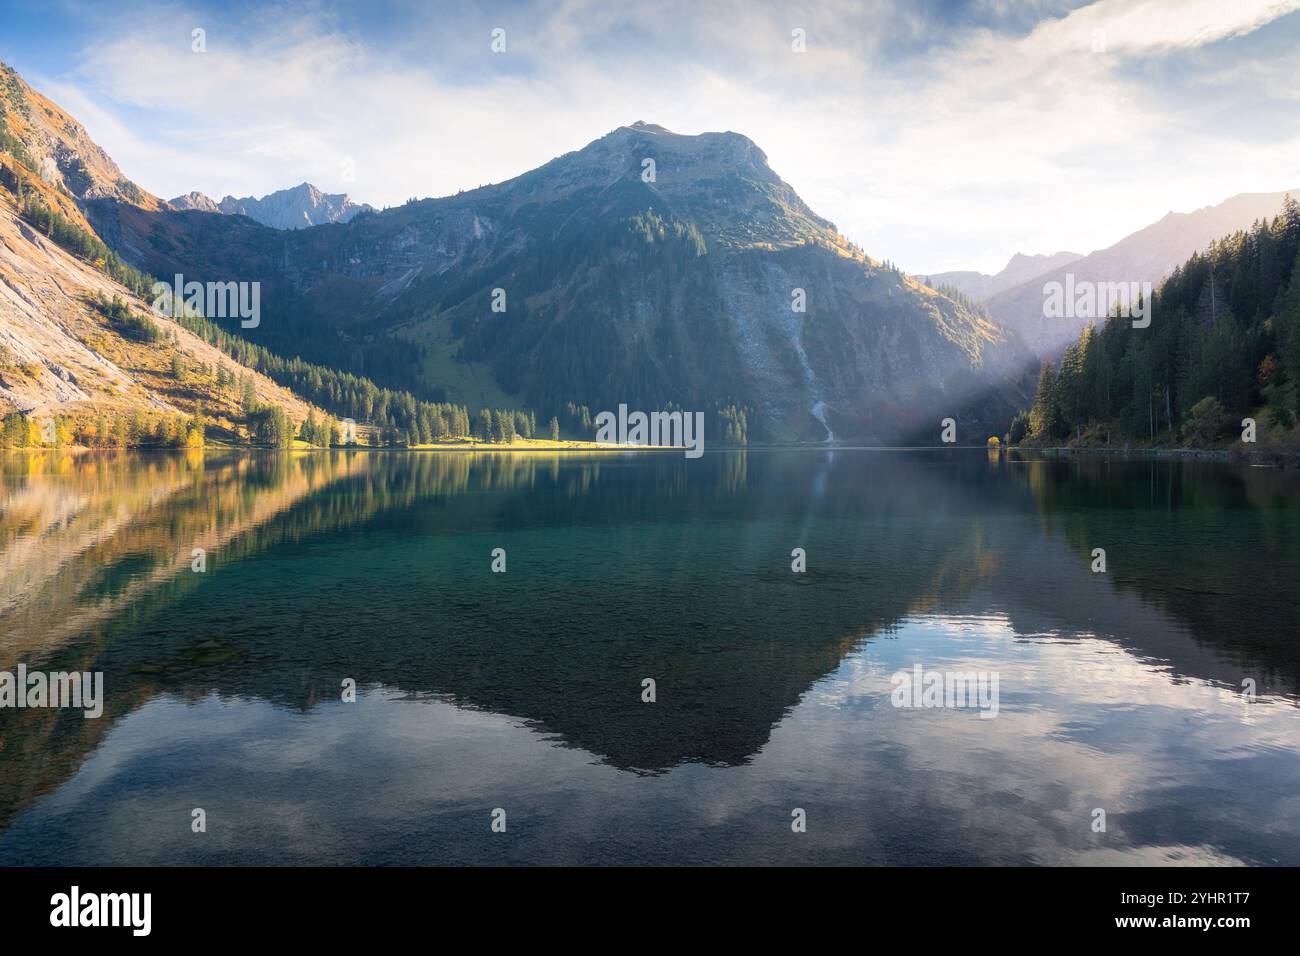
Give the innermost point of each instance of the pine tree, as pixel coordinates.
(14, 433)
(310, 429)
(1044, 417)
(194, 429)
(248, 398)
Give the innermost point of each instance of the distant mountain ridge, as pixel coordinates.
(1218, 362)
(298, 207)
(981, 286)
(1148, 255)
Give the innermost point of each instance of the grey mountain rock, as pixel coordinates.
(299, 207)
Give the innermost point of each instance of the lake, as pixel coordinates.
(1144, 714)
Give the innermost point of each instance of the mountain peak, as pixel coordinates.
(718, 181)
(1019, 268)
(297, 207)
(71, 166)
(692, 242)
(1022, 264)
(737, 145)
(645, 127)
(194, 200)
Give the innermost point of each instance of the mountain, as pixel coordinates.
(77, 342)
(1148, 255)
(197, 201)
(296, 208)
(980, 286)
(1219, 362)
(647, 268)
(67, 166)
(62, 354)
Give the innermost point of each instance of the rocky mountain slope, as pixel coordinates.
(61, 355)
(297, 208)
(62, 352)
(648, 267)
(67, 166)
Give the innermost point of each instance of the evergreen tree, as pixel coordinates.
(1019, 429)
(195, 429)
(248, 392)
(1044, 417)
(1225, 326)
(14, 433)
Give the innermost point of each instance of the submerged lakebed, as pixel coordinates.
(1161, 691)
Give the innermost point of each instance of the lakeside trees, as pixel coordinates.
(1225, 327)
(270, 425)
(20, 430)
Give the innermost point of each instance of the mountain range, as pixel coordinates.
(1014, 297)
(647, 268)
(1021, 268)
(296, 208)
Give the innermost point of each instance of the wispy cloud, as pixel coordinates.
(938, 139)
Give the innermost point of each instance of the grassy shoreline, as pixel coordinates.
(1271, 457)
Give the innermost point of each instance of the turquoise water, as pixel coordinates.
(1119, 691)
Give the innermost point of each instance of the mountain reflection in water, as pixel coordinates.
(1121, 691)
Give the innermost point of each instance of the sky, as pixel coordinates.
(935, 134)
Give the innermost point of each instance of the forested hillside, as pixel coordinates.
(647, 268)
(1223, 345)
(86, 360)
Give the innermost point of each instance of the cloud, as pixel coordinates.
(930, 141)
(1159, 26)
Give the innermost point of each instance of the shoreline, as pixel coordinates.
(1286, 460)
(1253, 458)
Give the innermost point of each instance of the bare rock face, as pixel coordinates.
(71, 341)
(196, 201)
(298, 208)
(59, 353)
(59, 149)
